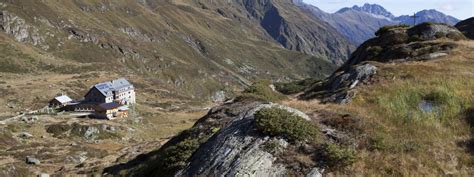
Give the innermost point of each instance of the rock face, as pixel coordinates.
(237, 150)
(392, 44)
(20, 30)
(467, 27)
(299, 30)
(338, 88)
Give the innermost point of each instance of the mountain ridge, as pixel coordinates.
(359, 23)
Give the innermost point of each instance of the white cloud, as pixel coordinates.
(447, 7)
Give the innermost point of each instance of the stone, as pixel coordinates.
(30, 119)
(25, 135)
(219, 97)
(315, 172)
(43, 175)
(341, 85)
(32, 160)
(78, 159)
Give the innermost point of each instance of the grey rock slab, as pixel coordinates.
(32, 160)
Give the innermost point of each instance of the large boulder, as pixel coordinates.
(431, 31)
(237, 150)
(339, 87)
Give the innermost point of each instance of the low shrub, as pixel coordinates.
(175, 156)
(295, 87)
(279, 122)
(335, 157)
(58, 129)
(262, 90)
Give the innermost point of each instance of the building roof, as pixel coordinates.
(63, 99)
(107, 106)
(121, 83)
(123, 108)
(106, 88)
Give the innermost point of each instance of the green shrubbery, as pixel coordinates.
(279, 122)
(58, 129)
(261, 90)
(175, 157)
(295, 87)
(336, 157)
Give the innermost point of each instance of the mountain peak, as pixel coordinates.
(370, 8)
(428, 15)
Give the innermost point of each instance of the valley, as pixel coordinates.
(236, 88)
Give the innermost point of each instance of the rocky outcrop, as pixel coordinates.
(467, 27)
(20, 30)
(400, 43)
(339, 87)
(392, 44)
(228, 142)
(136, 33)
(237, 150)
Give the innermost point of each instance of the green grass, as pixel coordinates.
(296, 86)
(279, 122)
(403, 103)
(176, 156)
(336, 157)
(261, 90)
(385, 29)
(399, 130)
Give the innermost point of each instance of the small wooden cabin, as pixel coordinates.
(60, 101)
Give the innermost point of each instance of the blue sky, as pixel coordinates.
(461, 9)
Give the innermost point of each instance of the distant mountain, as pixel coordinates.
(369, 8)
(356, 24)
(428, 16)
(359, 23)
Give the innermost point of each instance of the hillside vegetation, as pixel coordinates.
(188, 47)
(404, 116)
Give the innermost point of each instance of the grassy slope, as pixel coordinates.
(169, 58)
(407, 141)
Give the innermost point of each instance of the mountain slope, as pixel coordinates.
(467, 27)
(291, 27)
(371, 9)
(359, 23)
(355, 25)
(190, 47)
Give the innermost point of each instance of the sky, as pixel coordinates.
(461, 9)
